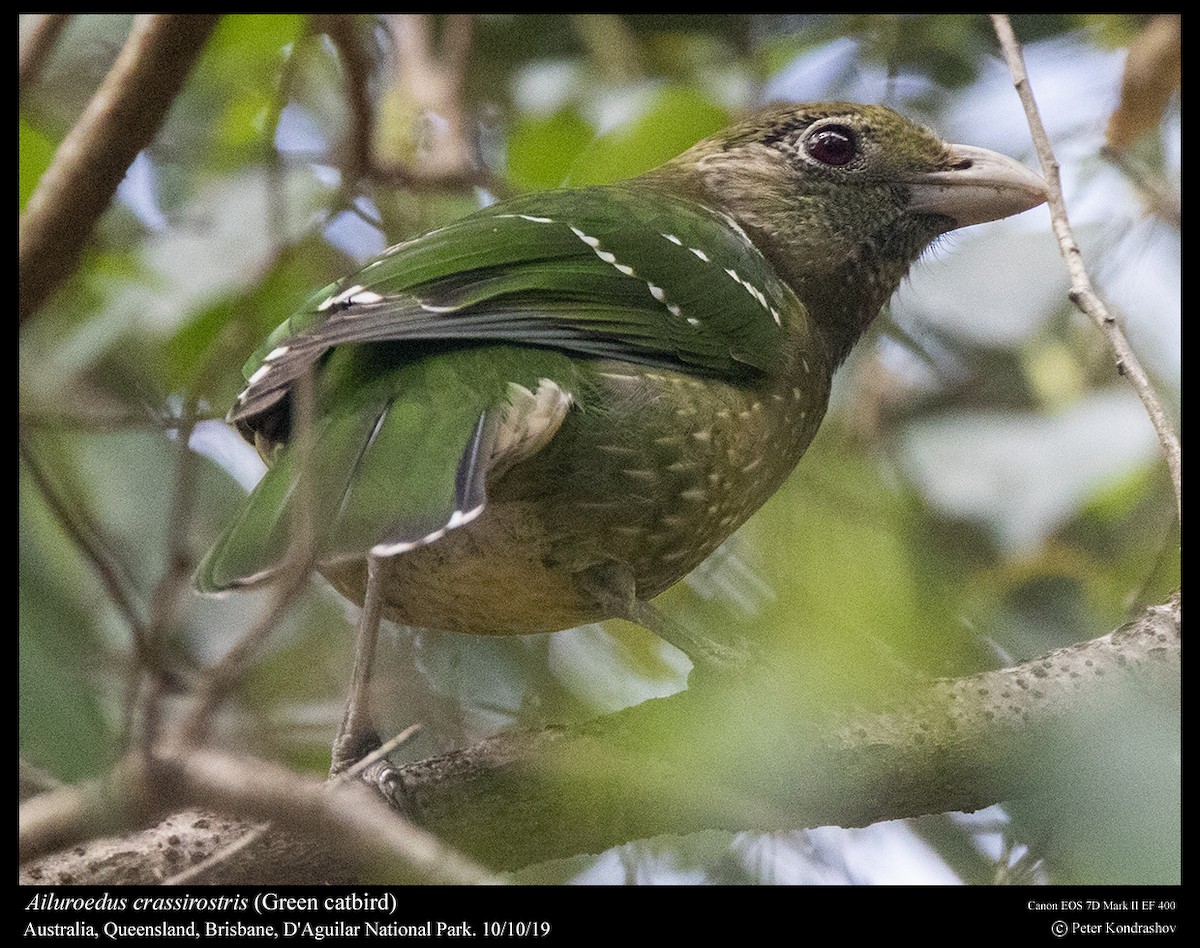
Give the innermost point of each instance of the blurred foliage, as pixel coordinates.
(983, 490)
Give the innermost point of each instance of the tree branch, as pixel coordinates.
(668, 766)
(434, 80)
(120, 121)
(37, 47)
(1082, 294)
(346, 822)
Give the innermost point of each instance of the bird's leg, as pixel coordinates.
(358, 735)
(615, 590)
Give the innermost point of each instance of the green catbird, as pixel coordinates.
(550, 411)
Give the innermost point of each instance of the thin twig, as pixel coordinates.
(1159, 197)
(122, 118)
(356, 63)
(381, 751)
(35, 52)
(223, 677)
(1081, 293)
(33, 780)
(109, 422)
(292, 574)
(80, 530)
(192, 873)
(165, 598)
(439, 79)
(257, 831)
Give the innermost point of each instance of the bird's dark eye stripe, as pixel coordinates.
(832, 145)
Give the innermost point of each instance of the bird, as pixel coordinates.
(550, 411)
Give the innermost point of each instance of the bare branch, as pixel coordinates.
(356, 63)
(348, 820)
(120, 121)
(33, 780)
(1082, 294)
(37, 48)
(435, 80)
(165, 598)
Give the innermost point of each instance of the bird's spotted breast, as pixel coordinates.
(652, 470)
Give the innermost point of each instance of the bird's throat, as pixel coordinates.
(844, 298)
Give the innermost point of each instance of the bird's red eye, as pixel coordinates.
(832, 145)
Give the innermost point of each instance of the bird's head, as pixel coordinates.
(842, 198)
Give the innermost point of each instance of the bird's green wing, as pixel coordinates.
(615, 271)
(408, 401)
(400, 454)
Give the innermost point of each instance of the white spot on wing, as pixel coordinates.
(459, 517)
(592, 242)
(276, 353)
(700, 253)
(346, 297)
(259, 374)
(675, 240)
(392, 549)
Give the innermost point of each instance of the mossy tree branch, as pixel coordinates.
(667, 766)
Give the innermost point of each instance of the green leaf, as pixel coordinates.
(541, 149)
(676, 118)
(61, 727)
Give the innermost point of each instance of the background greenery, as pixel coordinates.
(984, 489)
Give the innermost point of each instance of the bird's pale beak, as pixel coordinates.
(982, 186)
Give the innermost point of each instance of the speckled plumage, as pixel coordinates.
(610, 377)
